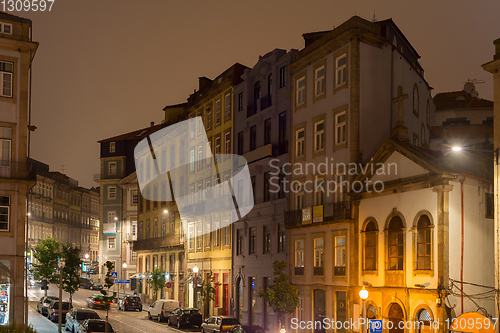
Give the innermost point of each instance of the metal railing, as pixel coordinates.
(266, 102)
(251, 109)
(331, 212)
(339, 271)
(158, 242)
(17, 170)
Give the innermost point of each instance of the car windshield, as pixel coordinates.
(133, 298)
(99, 327)
(50, 299)
(87, 315)
(191, 311)
(65, 306)
(229, 321)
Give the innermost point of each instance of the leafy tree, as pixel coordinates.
(46, 254)
(106, 297)
(208, 291)
(281, 296)
(157, 281)
(71, 271)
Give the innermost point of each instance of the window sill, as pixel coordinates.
(370, 272)
(423, 272)
(319, 152)
(319, 97)
(301, 106)
(340, 146)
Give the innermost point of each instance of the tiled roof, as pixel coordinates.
(459, 100)
(135, 134)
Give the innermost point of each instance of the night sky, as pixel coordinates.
(107, 67)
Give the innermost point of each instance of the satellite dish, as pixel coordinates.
(474, 94)
(451, 301)
(469, 87)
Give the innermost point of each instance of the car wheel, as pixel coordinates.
(149, 316)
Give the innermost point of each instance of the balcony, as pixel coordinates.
(251, 109)
(331, 212)
(299, 270)
(17, 170)
(318, 271)
(339, 271)
(280, 148)
(258, 153)
(266, 102)
(156, 243)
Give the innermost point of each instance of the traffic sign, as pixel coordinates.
(375, 326)
(168, 285)
(122, 281)
(114, 275)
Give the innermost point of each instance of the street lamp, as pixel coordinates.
(59, 314)
(165, 211)
(363, 294)
(195, 285)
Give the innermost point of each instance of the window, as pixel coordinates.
(318, 256)
(340, 128)
(340, 256)
(299, 257)
(111, 192)
(112, 168)
(256, 93)
(191, 160)
(200, 191)
(251, 241)
(6, 28)
(240, 142)
(341, 70)
(319, 81)
(282, 127)
(424, 319)
(227, 142)
(6, 73)
(301, 91)
(267, 131)
(319, 192)
(227, 235)
(112, 147)
(4, 213)
(208, 117)
(217, 112)
(200, 157)
(216, 234)
(424, 243)
(299, 197)
(208, 235)
(253, 137)
(240, 101)
(112, 242)
(199, 236)
(299, 142)
(267, 240)
(370, 246)
(217, 145)
(281, 238)
(191, 237)
(422, 135)
(267, 186)
(172, 224)
(415, 100)
(428, 113)
(227, 106)
(319, 135)
(282, 76)
(155, 228)
(239, 242)
(396, 244)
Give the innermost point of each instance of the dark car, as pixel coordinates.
(44, 303)
(247, 329)
(87, 283)
(95, 301)
(53, 310)
(181, 317)
(129, 302)
(76, 316)
(218, 324)
(94, 326)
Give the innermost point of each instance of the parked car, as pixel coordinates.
(181, 317)
(94, 326)
(87, 283)
(43, 304)
(94, 301)
(218, 324)
(161, 308)
(53, 310)
(129, 302)
(76, 316)
(247, 329)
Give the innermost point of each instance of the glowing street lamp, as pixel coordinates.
(456, 148)
(363, 294)
(195, 284)
(165, 211)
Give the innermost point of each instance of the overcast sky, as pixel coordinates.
(107, 67)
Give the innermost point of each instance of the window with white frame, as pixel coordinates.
(111, 242)
(112, 168)
(217, 112)
(216, 233)
(227, 106)
(341, 70)
(301, 91)
(208, 151)
(112, 147)
(227, 235)
(200, 156)
(191, 237)
(191, 194)
(6, 142)
(319, 81)
(299, 197)
(191, 160)
(199, 236)
(6, 73)
(299, 257)
(135, 197)
(340, 128)
(319, 135)
(111, 192)
(200, 191)
(340, 254)
(319, 192)
(227, 143)
(6, 28)
(319, 253)
(300, 142)
(111, 216)
(217, 145)
(4, 213)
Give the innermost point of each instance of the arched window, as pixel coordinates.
(269, 84)
(371, 312)
(415, 100)
(396, 244)
(256, 91)
(396, 315)
(424, 243)
(424, 319)
(371, 246)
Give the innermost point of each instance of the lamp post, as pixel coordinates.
(59, 314)
(195, 285)
(124, 266)
(363, 294)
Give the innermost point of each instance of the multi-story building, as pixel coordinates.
(16, 55)
(261, 134)
(345, 86)
(90, 225)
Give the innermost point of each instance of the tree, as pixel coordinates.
(71, 271)
(281, 296)
(107, 297)
(46, 254)
(208, 292)
(157, 281)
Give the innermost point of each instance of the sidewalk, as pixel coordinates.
(39, 323)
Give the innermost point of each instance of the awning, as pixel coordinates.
(146, 275)
(478, 324)
(186, 278)
(135, 276)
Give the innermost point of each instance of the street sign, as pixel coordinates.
(375, 326)
(114, 275)
(168, 285)
(122, 281)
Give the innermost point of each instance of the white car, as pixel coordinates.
(161, 309)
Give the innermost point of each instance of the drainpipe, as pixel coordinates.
(462, 245)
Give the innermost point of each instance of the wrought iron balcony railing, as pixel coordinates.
(17, 170)
(331, 212)
(266, 102)
(156, 243)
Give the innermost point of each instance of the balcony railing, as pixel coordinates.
(251, 109)
(331, 212)
(156, 243)
(299, 270)
(17, 170)
(318, 270)
(280, 148)
(339, 271)
(266, 102)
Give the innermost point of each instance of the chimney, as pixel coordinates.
(152, 123)
(204, 82)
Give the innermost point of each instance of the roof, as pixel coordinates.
(14, 18)
(135, 135)
(460, 100)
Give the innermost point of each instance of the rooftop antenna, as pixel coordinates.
(374, 17)
(63, 168)
(474, 81)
